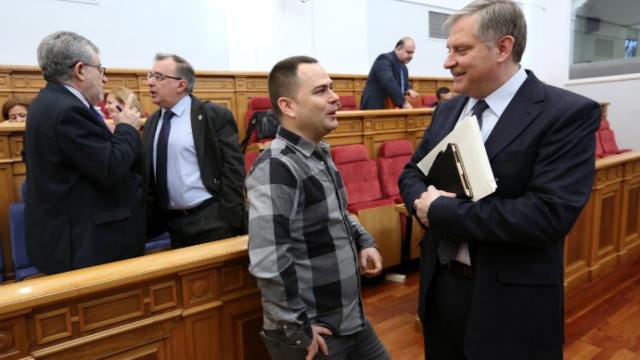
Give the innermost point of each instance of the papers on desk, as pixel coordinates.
(474, 167)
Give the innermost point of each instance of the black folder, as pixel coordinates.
(447, 173)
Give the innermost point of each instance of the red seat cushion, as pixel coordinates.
(359, 174)
(249, 158)
(349, 154)
(393, 148)
(599, 150)
(394, 154)
(361, 181)
(608, 140)
(348, 102)
(429, 100)
(390, 170)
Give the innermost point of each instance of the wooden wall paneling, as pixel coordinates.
(143, 95)
(199, 287)
(447, 83)
(242, 317)
(424, 86)
(383, 223)
(604, 108)
(606, 224)
(630, 223)
(13, 343)
(147, 339)
(27, 83)
(110, 310)
(203, 336)
(246, 87)
(4, 96)
(577, 249)
(5, 80)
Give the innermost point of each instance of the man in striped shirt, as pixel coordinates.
(305, 250)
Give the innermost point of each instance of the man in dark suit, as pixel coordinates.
(86, 203)
(492, 270)
(389, 77)
(194, 167)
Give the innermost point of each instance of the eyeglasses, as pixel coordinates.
(160, 76)
(101, 69)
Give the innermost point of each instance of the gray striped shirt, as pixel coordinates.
(303, 244)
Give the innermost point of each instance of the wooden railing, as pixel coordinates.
(371, 127)
(229, 89)
(193, 303)
(602, 251)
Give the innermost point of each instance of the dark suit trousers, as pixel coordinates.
(197, 227)
(447, 310)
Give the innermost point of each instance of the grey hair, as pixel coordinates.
(58, 52)
(496, 19)
(184, 70)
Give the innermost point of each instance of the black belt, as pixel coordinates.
(191, 211)
(459, 269)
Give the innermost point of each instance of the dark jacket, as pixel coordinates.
(384, 81)
(221, 164)
(542, 154)
(85, 203)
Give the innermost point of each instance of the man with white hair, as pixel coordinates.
(84, 190)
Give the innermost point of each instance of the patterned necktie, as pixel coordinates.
(478, 109)
(447, 249)
(161, 160)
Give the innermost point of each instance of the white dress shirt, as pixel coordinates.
(498, 102)
(184, 182)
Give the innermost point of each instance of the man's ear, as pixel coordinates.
(286, 106)
(78, 71)
(182, 86)
(504, 45)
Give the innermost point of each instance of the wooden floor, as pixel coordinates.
(610, 331)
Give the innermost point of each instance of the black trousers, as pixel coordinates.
(197, 226)
(363, 345)
(446, 313)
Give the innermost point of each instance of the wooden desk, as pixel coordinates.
(198, 302)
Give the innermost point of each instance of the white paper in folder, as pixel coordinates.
(466, 135)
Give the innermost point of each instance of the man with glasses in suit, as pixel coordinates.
(194, 167)
(86, 205)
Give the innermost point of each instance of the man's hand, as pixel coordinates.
(318, 341)
(370, 262)
(128, 115)
(412, 93)
(406, 105)
(423, 203)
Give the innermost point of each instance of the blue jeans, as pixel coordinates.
(363, 345)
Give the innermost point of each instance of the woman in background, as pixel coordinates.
(15, 110)
(115, 100)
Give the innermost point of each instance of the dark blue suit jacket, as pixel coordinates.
(542, 154)
(384, 81)
(85, 203)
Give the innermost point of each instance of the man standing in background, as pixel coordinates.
(389, 78)
(194, 167)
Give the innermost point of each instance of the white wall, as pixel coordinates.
(128, 33)
(251, 35)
